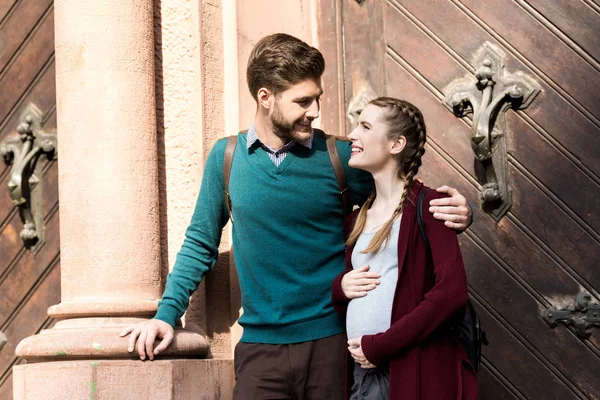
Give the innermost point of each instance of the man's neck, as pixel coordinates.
(266, 133)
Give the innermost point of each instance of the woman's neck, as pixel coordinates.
(389, 188)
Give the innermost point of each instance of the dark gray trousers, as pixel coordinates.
(370, 383)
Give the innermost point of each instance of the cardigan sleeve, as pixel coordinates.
(447, 296)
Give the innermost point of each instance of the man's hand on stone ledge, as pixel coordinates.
(145, 333)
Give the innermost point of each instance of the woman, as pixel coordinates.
(396, 302)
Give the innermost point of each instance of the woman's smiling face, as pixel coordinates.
(371, 146)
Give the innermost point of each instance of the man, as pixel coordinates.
(287, 234)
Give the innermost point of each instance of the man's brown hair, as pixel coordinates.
(280, 61)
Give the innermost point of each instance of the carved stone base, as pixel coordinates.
(124, 380)
(99, 338)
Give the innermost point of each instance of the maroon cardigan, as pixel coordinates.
(425, 362)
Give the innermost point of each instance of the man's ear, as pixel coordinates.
(398, 145)
(265, 98)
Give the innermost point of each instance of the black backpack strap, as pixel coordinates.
(421, 222)
(338, 168)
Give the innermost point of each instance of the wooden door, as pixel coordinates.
(29, 280)
(545, 250)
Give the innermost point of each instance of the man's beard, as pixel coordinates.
(284, 129)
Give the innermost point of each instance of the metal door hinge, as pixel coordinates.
(24, 184)
(581, 316)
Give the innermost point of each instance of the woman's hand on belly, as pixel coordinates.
(359, 282)
(355, 349)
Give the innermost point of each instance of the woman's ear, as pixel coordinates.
(264, 98)
(398, 145)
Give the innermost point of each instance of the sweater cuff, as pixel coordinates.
(167, 314)
(370, 350)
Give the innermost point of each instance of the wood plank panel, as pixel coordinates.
(330, 43)
(50, 119)
(557, 173)
(570, 129)
(553, 281)
(42, 94)
(27, 75)
(18, 26)
(519, 366)
(5, 6)
(25, 67)
(6, 388)
(542, 253)
(540, 271)
(523, 312)
(10, 243)
(551, 55)
(554, 227)
(31, 317)
(575, 19)
(490, 386)
(22, 277)
(511, 300)
(454, 138)
(525, 143)
(363, 42)
(6, 384)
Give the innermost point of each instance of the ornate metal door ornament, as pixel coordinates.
(358, 103)
(487, 96)
(580, 317)
(24, 185)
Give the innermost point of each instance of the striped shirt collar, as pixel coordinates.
(252, 138)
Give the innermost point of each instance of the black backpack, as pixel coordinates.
(468, 330)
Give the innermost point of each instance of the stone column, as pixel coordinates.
(109, 217)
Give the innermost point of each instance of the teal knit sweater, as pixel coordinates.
(287, 236)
